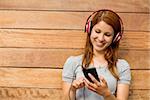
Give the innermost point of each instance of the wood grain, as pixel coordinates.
(65, 20)
(30, 77)
(139, 95)
(51, 78)
(37, 36)
(7, 93)
(77, 5)
(64, 39)
(55, 58)
(53, 94)
(140, 79)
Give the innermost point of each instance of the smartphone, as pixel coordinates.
(91, 71)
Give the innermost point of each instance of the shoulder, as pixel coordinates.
(70, 66)
(122, 65)
(74, 59)
(123, 68)
(122, 62)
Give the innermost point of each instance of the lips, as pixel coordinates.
(99, 44)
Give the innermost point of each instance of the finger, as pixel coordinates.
(87, 81)
(94, 80)
(78, 83)
(81, 85)
(81, 82)
(103, 80)
(74, 84)
(91, 84)
(88, 86)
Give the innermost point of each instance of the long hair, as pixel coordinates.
(111, 52)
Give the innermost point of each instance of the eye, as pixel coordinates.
(108, 34)
(98, 31)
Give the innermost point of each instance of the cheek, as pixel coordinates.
(92, 37)
(109, 39)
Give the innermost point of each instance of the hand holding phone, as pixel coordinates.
(91, 71)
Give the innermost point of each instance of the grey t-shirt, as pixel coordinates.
(72, 69)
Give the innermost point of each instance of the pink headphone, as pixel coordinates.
(88, 25)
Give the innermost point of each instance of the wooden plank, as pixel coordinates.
(140, 79)
(135, 40)
(136, 59)
(139, 95)
(62, 38)
(42, 38)
(78, 5)
(34, 57)
(54, 94)
(17, 57)
(30, 77)
(65, 20)
(30, 94)
(51, 78)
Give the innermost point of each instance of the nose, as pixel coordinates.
(101, 37)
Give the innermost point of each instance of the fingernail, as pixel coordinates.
(89, 74)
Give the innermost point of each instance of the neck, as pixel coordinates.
(99, 55)
(99, 59)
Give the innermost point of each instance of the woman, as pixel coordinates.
(104, 30)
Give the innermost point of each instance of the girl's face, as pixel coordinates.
(101, 36)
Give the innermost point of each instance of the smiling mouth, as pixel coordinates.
(99, 44)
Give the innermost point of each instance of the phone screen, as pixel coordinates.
(91, 71)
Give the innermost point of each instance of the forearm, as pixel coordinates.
(70, 95)
(110, 97)
(69, 92)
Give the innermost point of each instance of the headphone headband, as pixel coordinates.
(88, 24)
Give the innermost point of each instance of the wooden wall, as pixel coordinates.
(37, 36)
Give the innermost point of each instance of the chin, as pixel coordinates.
(99, 48)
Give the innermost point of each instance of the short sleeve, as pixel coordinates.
(68, 73)
(124, 72)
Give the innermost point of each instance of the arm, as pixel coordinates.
(66, 88)
(68, 76)
(101, 88)
(69, 89)
(122, 93)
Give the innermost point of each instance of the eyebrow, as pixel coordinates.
(97, 29)
(109, 32)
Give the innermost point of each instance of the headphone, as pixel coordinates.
(88, 25)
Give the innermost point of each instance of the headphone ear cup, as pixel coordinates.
(117, 37)
(88, 27)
